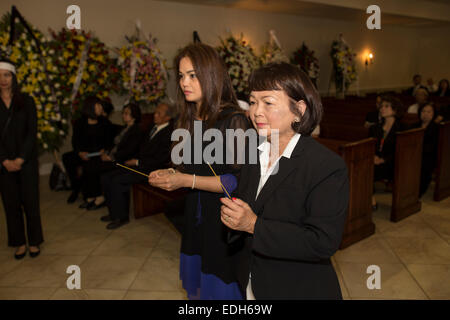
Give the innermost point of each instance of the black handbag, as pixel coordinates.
(58, 179)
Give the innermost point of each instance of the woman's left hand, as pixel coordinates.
(167, 180)
(18, 163)
(237, 215)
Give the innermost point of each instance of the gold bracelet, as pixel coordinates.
(171, 170)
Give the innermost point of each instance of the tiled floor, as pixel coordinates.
(140, 260)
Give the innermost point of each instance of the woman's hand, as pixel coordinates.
(168, 179)
(131, 163)
(237, 215)
(83, 156)
(377, 160)
(11, 165)
(105, 157)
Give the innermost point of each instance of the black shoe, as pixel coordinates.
(35, 254)
(93, 206)
(106, 218)
(20, 256)
(73, 197)
(117, 224)
(86, 204)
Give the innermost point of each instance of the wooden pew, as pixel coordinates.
(343, 132)
(359, 159)
(408, 160)
(149, 200)
(442, 188)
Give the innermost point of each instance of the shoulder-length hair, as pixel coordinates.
(215, 83)
(135, 111)
(296, 84)
(423, 105)
(396, 105)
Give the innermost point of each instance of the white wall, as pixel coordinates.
(399, 52)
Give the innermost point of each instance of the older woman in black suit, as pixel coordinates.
(292, 205)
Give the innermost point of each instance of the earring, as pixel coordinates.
(296, 120)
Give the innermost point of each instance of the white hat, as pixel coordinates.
(7, 66)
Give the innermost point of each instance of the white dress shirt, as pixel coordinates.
(266, 172)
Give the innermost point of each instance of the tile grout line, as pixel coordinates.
(142, 266)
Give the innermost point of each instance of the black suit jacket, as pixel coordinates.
(301, 216)
(155, 152)
(129, 145)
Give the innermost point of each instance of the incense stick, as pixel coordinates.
(146, 175)
(225, 189)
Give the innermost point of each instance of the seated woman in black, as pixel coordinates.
(90, 139)
(126, 147)
(427, 115)
(292, 204)
(384, 133)
(72, 160)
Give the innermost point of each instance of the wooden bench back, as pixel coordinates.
(408, 161)
(442, 188)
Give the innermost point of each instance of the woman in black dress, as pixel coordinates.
(207, 101)
(427, 116)
(19, 176)
(384, 133)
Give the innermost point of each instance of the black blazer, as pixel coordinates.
(301, 216)
(155, 152)
(129, 145)
(20, 137)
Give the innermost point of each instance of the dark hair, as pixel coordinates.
(423, 105)
(442, 81)
(15, 84)
(135, 111)
(417, 76)
(215, 83)
(395, 103)
(107, 107)
(88, 109)
(292, 80)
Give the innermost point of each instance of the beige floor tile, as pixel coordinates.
(434, 279)
(372, 250)
(413, 226)
(68, 242)
(344, 290)
(168, 246)
(155, 223)
(158, 274)
(26, 293)
(135, 244)
(396, 282)
(421, 250)
(9, 263)
(88, 294)
(155, 295)
(116, 273)
(43, 271)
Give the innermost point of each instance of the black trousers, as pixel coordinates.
(116, 187)
(20, 191)
(72, 163)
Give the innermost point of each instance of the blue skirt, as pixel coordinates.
(201, 286)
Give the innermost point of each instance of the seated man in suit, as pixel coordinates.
(154, 154)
